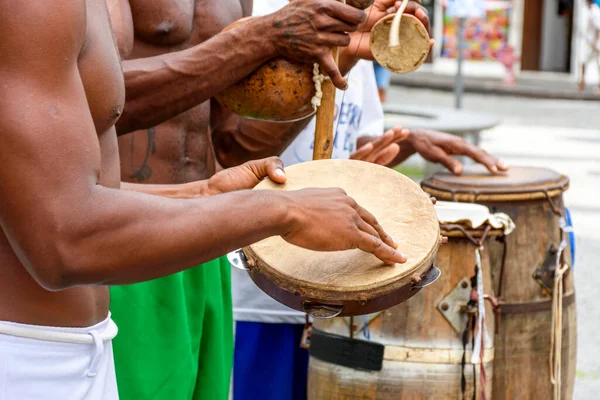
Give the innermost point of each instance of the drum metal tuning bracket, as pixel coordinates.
(453, 305)
(238, 260)
(544, 273)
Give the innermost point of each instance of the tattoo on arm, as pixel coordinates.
(143, 171)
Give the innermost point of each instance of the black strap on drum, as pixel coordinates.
(351, 353)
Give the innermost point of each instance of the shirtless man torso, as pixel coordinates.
(197, 323)
(179, 150)
(22, 299)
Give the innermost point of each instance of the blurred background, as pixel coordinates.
(521, 102)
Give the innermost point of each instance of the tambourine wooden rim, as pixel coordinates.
(365, 292)
(378, 291)
(506, 187)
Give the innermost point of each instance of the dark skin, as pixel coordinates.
(172, 70)
(397, 144)
(171, 77)
(68, 230)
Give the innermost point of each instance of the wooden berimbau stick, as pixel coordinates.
(326, 111)
(325, 116)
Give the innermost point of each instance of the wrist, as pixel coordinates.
(189, 190)
(265, 27)
(284, 210)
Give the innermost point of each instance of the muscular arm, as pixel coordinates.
(162, 87)
(65, 227)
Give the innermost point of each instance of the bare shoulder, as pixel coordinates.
(42, 26)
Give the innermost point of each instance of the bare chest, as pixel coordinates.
(163, 26)
(102, 78)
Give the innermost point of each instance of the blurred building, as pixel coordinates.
(547, 34)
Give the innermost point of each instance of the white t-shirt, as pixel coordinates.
(360, 114)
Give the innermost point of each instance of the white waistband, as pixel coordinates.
(106, 329)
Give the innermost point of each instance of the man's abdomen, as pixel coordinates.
(177, 151)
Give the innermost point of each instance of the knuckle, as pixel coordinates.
(323, 6)
(377, 243)
(351, 202)
(345, 40)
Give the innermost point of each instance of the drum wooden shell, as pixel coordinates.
(521, 363)
(279, 90)
(423, 353)
(413, 48)
(351, 280)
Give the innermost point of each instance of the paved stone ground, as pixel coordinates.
(565, 136)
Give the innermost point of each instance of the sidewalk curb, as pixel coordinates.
(493, 88)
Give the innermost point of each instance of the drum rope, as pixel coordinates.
(553, 206)
(477, 242)
(557, 313)
(469, 329)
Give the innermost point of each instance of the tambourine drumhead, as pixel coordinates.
(400, 206)
(412, 51)
(477, 183)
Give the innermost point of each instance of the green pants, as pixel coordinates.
(175, 338)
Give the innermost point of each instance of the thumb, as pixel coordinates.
(274, 168)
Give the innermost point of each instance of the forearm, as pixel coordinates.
(237, 140)
(128, 237)
(182, 191)
(159, 88)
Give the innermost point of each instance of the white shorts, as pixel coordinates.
(51, 363)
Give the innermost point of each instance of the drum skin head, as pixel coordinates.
(399, 204)
(518, 183)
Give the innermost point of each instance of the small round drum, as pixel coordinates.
(352, 282)
(422, 339)
(413, 46)
(523, 270)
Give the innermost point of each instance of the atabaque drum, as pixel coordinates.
(423, 348)
(536, 340)
(352, 282)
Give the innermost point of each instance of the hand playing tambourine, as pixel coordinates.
(397, 144)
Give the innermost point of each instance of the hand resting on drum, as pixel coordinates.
(317, 219)
(397, 144)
